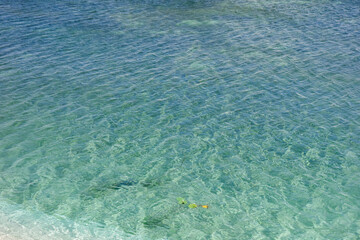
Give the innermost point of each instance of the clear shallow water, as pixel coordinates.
(111, 110)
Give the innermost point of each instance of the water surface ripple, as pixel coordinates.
(110, 110)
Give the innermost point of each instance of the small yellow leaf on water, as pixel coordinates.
(205, 206)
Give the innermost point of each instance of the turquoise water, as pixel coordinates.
(110, 110)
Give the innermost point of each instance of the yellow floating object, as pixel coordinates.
(193, 205)
(205, 206)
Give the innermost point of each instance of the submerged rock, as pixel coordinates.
(156, 215)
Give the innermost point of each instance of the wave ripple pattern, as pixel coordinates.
(110, 110)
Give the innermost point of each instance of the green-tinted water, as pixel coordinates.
(110, 110)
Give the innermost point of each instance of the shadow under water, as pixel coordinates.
(187, 4)
(100, 189)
